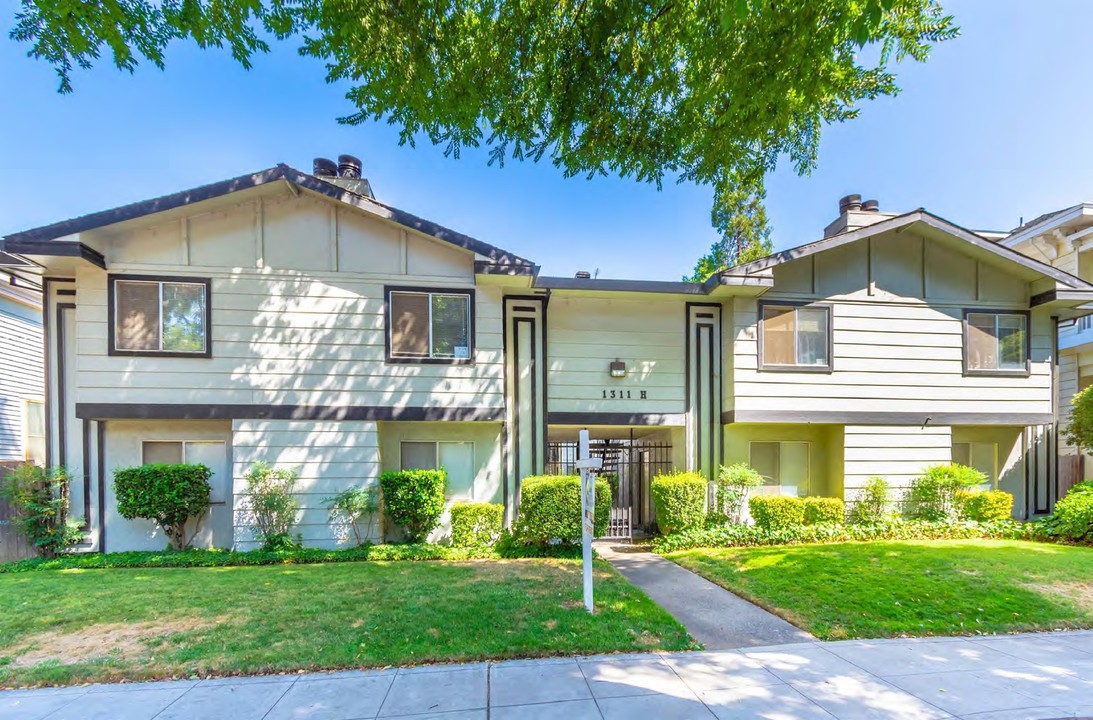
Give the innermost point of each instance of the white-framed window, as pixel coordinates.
(429, 326)
(211, 453)
(982, 456)
(996, 342)
(785, 465)
(794, 337)
(456, 457)
(34, 431)
(159, 316)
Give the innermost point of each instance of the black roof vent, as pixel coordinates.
(870, 206)
(324, 167)
(583, 275)
(349, 166)
(850, 202)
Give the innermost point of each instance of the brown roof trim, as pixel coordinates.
(486, 267)
(899, 221)
(654, 286)
(53, 248)
(244, 182)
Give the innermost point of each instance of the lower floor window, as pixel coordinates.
(457, 458)
(980, 455)
(783, 464)
(34, 432)
(212, 454)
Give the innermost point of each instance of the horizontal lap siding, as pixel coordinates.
(1068, 386)
(584, 335)
(328, 457)
(890, 355)
(21, 377)
(285, 341)
(896, 453)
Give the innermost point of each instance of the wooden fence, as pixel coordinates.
(13, 546)
(1071, 472)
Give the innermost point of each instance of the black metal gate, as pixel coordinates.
(628, 466)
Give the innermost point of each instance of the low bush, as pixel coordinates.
(891, 529)
(414, 500)
(550, 509)
(353, 506)
(734, 482)
(168, 495)
(776, 512)
(824, 510)
(679, 499)
(504, 549)
(1073, 517)
(269, 507)
(40, 500)
(984, 505)
(872, 504)
(932, 495)
(476, 524)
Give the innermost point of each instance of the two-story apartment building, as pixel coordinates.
(293, 318)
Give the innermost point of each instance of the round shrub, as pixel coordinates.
(680, 500)
(932, 495)
(269, 507)
(550, 509)
(168, 495)
(414, 500)
(777, 512)
(824, 510)
(476, 524)
(1073, 517)
(985, 505)
(733, 484)
(872, 503)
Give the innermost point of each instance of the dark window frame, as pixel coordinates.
(1003, 372)
(111, 316)
(471, 325)
(824, 369)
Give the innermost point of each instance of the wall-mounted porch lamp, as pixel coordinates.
(618, 369)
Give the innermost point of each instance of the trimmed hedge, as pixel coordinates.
(750, 535)
(824, 510)
(680, 500)
(414, 500)
(168, 495)
(985, 505)
(1073, 517)
(476, 524)
(776, 512)
(550, 508)
(504, 549)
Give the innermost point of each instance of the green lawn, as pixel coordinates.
(59, 627)
(890, 589)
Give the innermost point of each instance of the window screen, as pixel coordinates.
(160, 316)
(419, 456)
(979, 455)
(783, 464)
(212, 454)
(796, 336)
(429, 325)
(34, 431)
(995, 342)
(161, 453)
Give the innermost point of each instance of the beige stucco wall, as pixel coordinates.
(825, 450)
(1010, 461)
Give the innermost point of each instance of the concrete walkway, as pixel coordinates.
(987, 678)
(713, 615)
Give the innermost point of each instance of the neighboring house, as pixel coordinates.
(1064, 239)
(291, 317)
(22, 391)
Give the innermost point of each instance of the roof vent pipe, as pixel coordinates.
(349, 166)
(583, 275)
(851, 203)
(870, 206)
(324, 167)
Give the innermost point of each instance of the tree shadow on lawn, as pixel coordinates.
(891, 589)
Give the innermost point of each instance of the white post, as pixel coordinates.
(586, 466)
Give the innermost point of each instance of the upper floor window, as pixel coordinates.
(429, 326)
(159, 316)
(996, 342)
(794, 337)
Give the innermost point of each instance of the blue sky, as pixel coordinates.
(994, 127)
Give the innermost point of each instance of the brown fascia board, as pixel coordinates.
(48, 233)
(899, 221)
(487, 267)
(612, 285)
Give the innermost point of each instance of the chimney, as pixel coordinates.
(855, 214)
(583, 275)
(345, 174)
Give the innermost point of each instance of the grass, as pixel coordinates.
(72, 626)
(902, 588)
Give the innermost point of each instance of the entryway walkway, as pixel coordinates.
(984, 678)
(713, 615)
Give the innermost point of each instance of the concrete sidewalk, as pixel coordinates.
(712, 615)
(1000, 678)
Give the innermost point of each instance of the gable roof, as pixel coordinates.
(31, 240)
(899, 221)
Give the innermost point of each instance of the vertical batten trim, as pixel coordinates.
(403, 253)
(870, 283)
(184, 239)
(100, 474)
(46, 394)
(260, 233)
(334, 238)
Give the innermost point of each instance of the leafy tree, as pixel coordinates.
(1079, 431)
(709, 92)
(739, 215)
